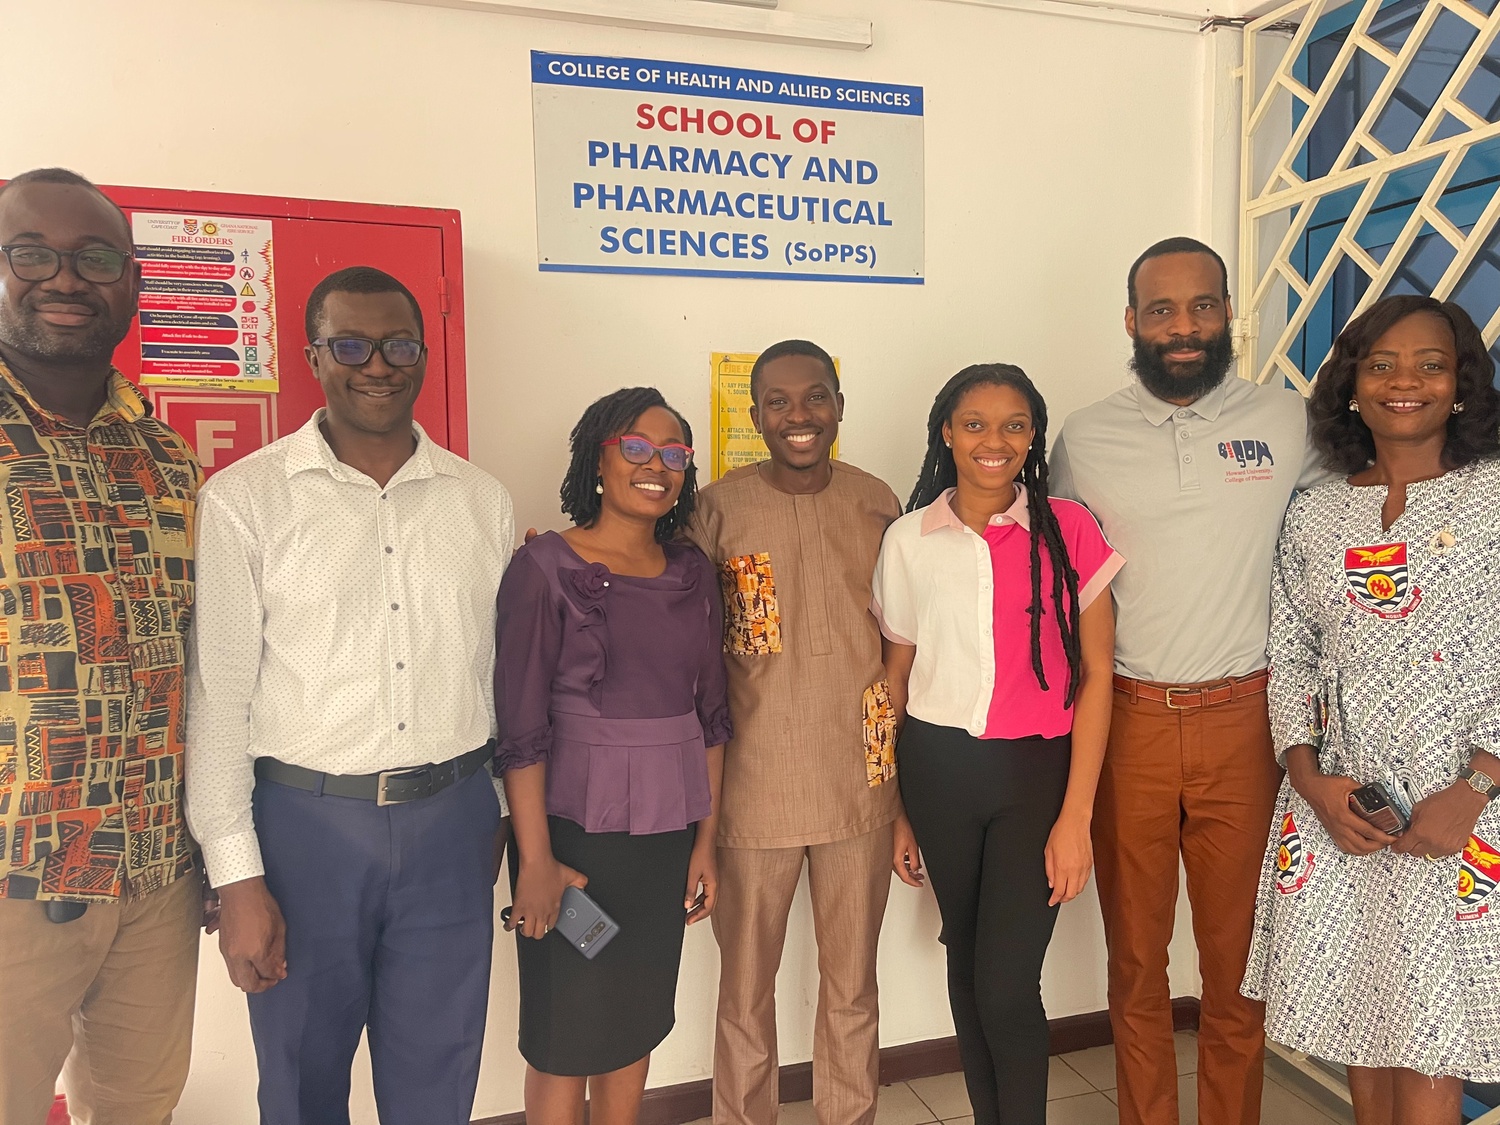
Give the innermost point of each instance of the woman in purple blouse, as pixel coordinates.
(613, 714)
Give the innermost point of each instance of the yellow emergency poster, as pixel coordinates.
(735, 441)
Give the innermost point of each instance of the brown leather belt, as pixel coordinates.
(1187, 697)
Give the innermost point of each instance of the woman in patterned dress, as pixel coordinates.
(1383, 952)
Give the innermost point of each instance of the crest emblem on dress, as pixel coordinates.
(1379, 581)
(1478, 873)
(1294, 863)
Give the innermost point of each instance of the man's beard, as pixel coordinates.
(25, 334)
(1197, 379)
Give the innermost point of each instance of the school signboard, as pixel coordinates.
(646, 166)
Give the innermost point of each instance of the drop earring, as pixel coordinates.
(1354, 405)
(1458, 408)
(599, 487)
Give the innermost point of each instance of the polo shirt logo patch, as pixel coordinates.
(1379, 581)
(1251, 459)
(1294, 863)
(1478, 873)
(752, 625)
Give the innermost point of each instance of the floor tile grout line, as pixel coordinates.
(923, 1103)
(936, 1120)
(1096, 1089)
(1296, 1093)
(923, 1100)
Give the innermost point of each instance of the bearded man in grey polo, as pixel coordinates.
(1189, 472)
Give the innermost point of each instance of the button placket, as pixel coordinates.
(399, 631)
(986, 609)
(1187, 462)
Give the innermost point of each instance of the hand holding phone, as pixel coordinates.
(1375, 804)
(538, 894)
(580, 921)
(1328, 796)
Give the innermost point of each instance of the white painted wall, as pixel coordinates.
(1056, 147)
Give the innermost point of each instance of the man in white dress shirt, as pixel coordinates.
(341, 712)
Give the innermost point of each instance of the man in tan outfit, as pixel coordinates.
(810, 773)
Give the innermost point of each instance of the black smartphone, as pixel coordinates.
(1375, 804)
(61, 911)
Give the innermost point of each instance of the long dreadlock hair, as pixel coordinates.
(939, 473)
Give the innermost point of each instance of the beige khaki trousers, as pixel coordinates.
(106, 999)
(849, 881)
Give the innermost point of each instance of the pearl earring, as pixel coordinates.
(1458, 408)
(599, 488)
(1354, 405)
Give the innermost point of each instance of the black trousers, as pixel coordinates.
(982, 810)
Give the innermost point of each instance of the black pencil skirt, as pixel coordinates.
(581, 1017)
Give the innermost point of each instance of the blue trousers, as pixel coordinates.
(389, 924)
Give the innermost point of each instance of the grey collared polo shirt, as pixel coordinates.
(1193, 496)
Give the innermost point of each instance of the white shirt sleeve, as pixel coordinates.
(223, 666)
(891, 600)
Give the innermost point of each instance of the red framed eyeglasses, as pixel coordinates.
(675, 456)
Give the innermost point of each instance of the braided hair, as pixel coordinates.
(609, 417)
(939, 473)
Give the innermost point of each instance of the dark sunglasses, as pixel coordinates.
(99, 264)
(675, 456)
(355, 351)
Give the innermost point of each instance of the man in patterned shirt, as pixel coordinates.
(100, 900)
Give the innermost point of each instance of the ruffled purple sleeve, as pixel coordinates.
(712, 696)
(528, 645)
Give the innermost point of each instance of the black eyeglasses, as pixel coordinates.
(99, 264)
(355, 351)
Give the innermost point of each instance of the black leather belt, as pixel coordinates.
(388, 787)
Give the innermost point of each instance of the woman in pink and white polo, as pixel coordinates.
(1000, 650)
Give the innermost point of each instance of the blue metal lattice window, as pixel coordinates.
(1395, 128)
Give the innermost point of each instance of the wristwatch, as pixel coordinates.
(1480, 782)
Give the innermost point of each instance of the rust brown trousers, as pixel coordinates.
(1201, 781)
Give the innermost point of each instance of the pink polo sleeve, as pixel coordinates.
(1093, 558)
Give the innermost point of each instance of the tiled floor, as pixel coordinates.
(1081, 1092)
